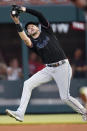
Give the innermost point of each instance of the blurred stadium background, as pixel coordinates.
(18, 63)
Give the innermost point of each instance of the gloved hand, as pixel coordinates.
(18, 9)
(15, 11)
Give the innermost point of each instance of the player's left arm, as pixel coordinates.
(38, 14)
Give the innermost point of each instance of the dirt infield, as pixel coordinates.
(49, 127)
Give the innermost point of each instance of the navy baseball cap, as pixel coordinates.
(30, 23)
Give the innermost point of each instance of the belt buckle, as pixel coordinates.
(56, 64)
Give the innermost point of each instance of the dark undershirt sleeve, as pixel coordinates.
(40, 17)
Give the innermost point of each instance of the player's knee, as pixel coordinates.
(28, 85)
(25, 83)
(65, 98)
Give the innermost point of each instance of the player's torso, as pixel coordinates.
(47, 47)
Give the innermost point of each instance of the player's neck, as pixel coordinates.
(36, 34)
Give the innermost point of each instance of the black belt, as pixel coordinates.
(56, 64)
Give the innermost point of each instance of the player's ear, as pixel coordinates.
(27, 32)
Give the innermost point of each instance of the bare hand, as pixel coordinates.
(23, 9)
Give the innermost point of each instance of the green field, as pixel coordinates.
(44, 119)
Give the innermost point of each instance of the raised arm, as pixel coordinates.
(38, 14)
(21, 32)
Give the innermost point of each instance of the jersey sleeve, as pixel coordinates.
(47, 29)
(40, 17)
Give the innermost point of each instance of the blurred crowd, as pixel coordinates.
(35, 64)
(79, 65)
(33, 2)
(12, 70)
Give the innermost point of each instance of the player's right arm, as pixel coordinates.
(21, 32)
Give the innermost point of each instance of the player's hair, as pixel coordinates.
(29, 24)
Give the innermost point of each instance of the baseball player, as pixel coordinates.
(46, 45)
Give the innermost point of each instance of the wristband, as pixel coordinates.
(19, 27)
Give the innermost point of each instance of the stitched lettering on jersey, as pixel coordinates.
(43, 43)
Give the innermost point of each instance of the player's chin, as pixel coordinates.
(31, 33)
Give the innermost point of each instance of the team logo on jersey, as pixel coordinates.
(43, 43)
